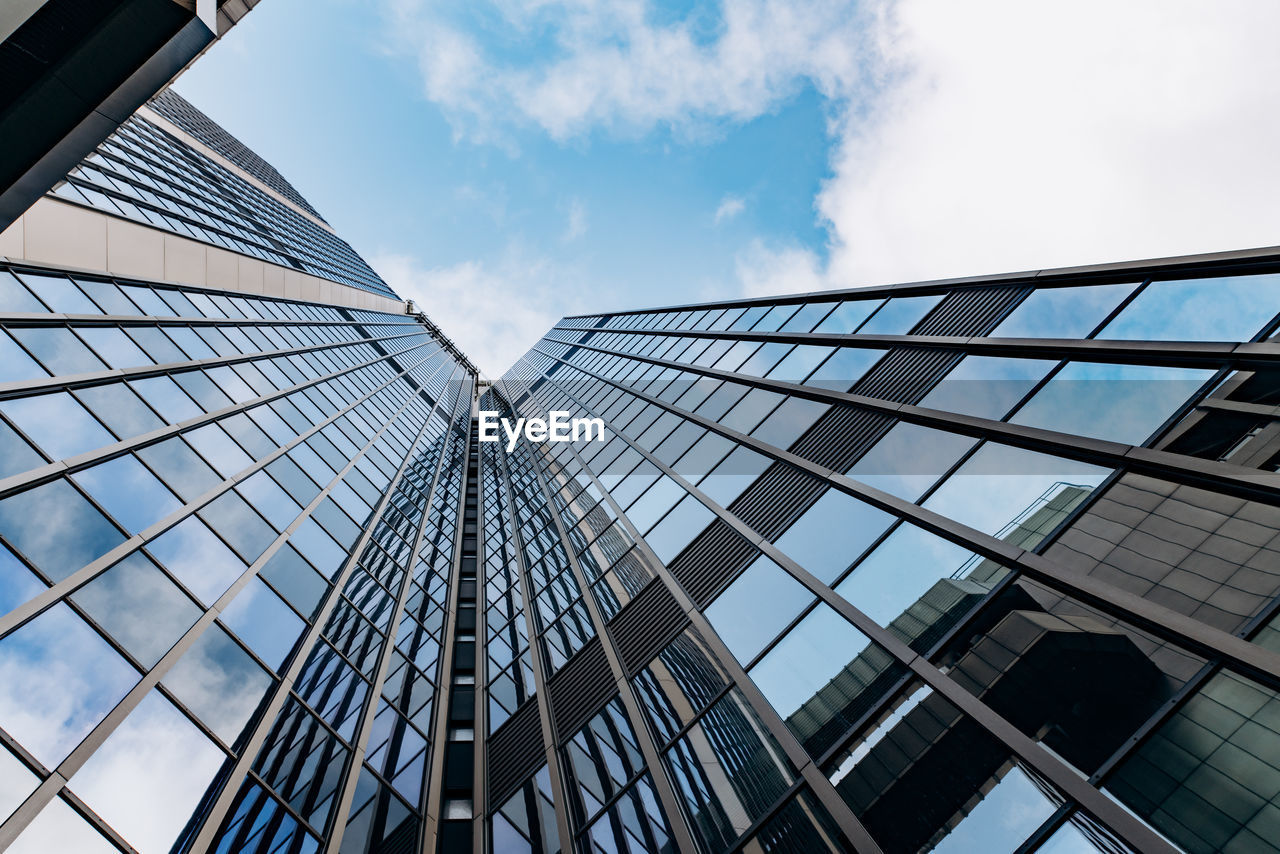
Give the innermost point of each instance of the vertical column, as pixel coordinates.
(457, 791)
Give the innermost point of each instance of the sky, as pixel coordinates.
(506, 163)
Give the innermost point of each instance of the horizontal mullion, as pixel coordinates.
(1150, 352)
(26, 388)
(1232, 263)
(1221, 476)
(53, 318)
(52, 471)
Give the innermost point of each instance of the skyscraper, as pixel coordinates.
(72, 71)
(979, 565)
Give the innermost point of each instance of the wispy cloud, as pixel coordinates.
(610, 64)
(576, 224)
(729, 207)
(494, 311)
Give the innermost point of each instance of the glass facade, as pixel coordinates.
(974, 567)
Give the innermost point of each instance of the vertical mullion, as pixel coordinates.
(661, 782)
(231, 783)
(365, 725)
(558, 785)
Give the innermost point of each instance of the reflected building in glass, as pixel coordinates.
(989, 565)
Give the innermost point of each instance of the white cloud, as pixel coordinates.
(971, 138)
(730, 206)
(764, 271)
(591, 63)
(495, 311)
(1021, 135)
(576, 226)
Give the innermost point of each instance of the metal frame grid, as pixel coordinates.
(596, 365)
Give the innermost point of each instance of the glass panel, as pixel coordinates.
(130, 493)
(219, 682)
(239, 525)
(679, 683)
(1062, 312)
(685, 521)
(290, 574)
(1123, 403)
(62, 426)
(197, 558)
(219, 449)
(148, 776)
(60, 828)
(16, 365)
(60, 294)
(899, 315)
(802, 826)
(727, 770)
(16, 456)
(985, 386)
(56, 528)
(58, 679)
(1014, 494)
(59, 350)
(917, 585)
(749, 614)
(139, 607)
(1209, 777)
(120, 409)
(909, 459)
(843, 370)
(180, 467)
(832, 534)
(732, 477)
(164, 395)
(928, 778)
(1226, 309)
(849, 316)
(16, 783)
(114, 347)
(15, 297)
(823, 676)
(789, 421)
(263, 621)
(17, 583)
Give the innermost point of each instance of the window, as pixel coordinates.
(1122, 403)
(1235, 308)
(218, 681)
(130, 493)
(1062, 312)
(81, 536)
(833, 533)
(759, 604)
(985, 386)
(139, 607)
(156, 756)
(899, 315)
(197, 558)
(909, 459)
(61, 426)
(797, 677)
(57, 661)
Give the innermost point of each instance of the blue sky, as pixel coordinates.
(505, 163)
